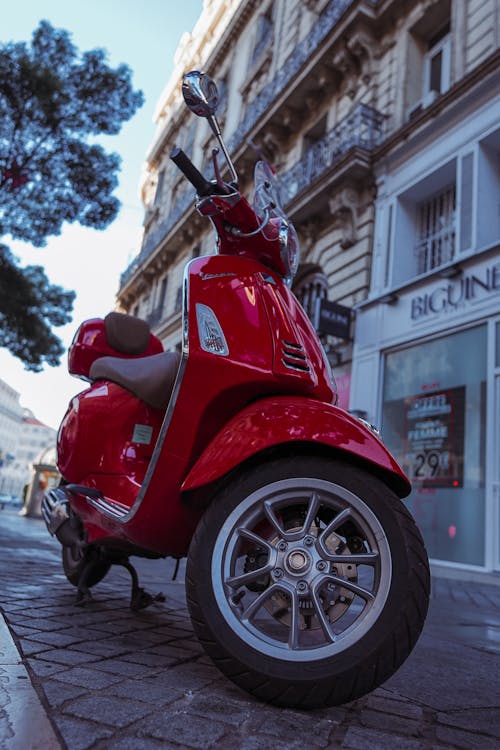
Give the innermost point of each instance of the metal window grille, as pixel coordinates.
(310, 291)
(436, 234)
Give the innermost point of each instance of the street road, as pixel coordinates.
(109, 678)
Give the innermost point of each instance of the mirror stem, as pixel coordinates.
(214, 125)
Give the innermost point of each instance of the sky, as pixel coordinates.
(144, 35)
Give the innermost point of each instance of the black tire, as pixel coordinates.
(307, 582)
(74, 562)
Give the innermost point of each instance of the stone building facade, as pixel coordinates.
(382, 119)
(11, 420)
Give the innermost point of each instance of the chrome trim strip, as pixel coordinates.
(107, 508)
(171, 405)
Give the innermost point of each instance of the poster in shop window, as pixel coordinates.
(434, 438)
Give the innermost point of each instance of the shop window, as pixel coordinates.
(433, 420)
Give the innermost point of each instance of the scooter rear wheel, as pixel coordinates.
(307, 582)
(74, 562)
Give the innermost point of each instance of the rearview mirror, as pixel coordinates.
(200, 93)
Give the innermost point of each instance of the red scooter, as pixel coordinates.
(307, 580)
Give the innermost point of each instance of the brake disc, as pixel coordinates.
(335, 598)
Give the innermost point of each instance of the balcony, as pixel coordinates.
(362, 128)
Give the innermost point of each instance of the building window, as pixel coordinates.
(314, 135)
(437, 66)
(159, 187)
(163, 291)
(433, 222)
(428, 64)
(178, 299)
(310, 287)
(436, 241)
(264, 34)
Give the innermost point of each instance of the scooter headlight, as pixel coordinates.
(289, 249)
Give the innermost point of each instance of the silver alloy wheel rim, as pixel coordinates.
(301, 569)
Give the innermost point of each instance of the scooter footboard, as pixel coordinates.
(283, 420)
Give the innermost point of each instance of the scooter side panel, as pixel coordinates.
(280, 420)
(107, 431)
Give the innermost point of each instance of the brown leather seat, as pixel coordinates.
(149, 378)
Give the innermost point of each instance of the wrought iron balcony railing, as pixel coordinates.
(362, 128)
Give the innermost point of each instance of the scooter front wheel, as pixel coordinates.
(307, 582)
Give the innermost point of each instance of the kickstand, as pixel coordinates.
(83, 594)
(140, 598)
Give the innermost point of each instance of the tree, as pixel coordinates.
(28, 305)
(54, 101)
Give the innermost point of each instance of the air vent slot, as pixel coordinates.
(293, 356)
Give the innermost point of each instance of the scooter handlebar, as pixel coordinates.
(184, 163)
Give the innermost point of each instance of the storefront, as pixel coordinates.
(427, 369)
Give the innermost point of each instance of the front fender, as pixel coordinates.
(283, 420)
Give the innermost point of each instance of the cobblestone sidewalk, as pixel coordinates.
(110, 678)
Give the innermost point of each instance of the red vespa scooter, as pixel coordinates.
(307, 580)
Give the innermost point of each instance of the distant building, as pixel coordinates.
(383, 119)
(35, 439)
(22, 439)
(11, 421)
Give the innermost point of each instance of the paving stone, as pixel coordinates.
(211, 704)
(358, 738)
(149, 690)
(36, 624)
(392, 706)
(188, 731)
(125, 668)
(58, 692)
(52, 639)
(287, 725)
(105, 709)
(259, 742)
(30, 648)
(389, 722)
(88, 678)
(466, 740)
(67, 656)
(44, 668)
(150, 660)
(100, 648)
(80, 735)
(133, 743)
(485, 720)
(171, 650)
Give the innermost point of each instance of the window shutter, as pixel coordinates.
(466, 202)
